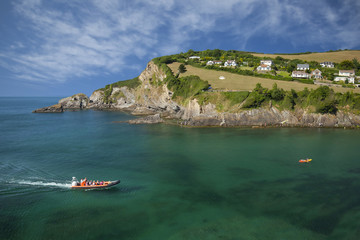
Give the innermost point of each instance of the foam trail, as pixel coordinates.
(45, 184)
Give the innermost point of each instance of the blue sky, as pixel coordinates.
(63, 47)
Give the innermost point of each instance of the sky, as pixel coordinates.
(64, 47)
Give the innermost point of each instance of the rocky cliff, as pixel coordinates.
(152, 97)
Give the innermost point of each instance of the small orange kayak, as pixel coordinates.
(105, 184)
(305, 160)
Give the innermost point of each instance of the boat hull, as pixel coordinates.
(106, 185)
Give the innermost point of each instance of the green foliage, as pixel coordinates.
(182, 68)
(323, 98)
(187, 87)
(256, 97)
(290, 100)
(235, 97)
(132, 83)
(276, 93)
(346, 65)
(107, 93)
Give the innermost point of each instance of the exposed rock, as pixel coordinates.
(272, 117)
(57, 108)
(147, 120)
(96, 99)
(77, 101)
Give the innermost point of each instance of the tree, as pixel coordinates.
(346, 65)
(182, 68)
(276, 93)
(356, 63)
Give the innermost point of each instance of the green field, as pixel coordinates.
(245, 83)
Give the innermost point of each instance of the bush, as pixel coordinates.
(235, 97)
(188, 86)
(256, 97)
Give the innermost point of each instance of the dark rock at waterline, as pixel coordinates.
(147, 120)
(57, 108)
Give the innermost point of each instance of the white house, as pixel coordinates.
(194, 57)
(210, 63)
(217, 62)
(266, 62)
(316, 74)
(300, 74)
(346, 75)
(327, 64)
(303, 67)
(230, 63)
(263, 67)
(350, 79)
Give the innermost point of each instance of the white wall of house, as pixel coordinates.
(327, 64)
(350, 79)
(299, 74)
(266, 62)
(263, 68)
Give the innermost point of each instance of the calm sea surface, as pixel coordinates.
(176, 183)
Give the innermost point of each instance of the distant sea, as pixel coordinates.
(176, 183)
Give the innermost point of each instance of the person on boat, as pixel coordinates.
(83, 182)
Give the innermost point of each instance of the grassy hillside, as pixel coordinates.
(318, 57)
(245, 83)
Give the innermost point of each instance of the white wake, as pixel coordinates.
(45, 184)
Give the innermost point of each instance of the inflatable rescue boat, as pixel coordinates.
(104, 184)
(305, 160)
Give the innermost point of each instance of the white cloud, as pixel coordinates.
(85, 38)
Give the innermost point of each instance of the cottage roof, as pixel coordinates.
(264, 65)
(347, 71)
(316, 71)
(303, 65)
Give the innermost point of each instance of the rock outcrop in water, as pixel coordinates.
(152, 97)
(57, 108)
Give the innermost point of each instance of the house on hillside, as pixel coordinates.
(344, 75)
(263, 67)
(347, 73)
(210, 63)
(218, 62)
(266, 62)
(316, 74)
(230, 63)
(327, 64)
(303, 67)
(194, 57)
(300, 74)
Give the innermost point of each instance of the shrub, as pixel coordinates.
(187, 87)
(235, 97)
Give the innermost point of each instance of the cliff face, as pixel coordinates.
(152, 97)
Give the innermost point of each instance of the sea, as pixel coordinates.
(176, 182)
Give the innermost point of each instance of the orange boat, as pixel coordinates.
(105, 184)
(305, 160)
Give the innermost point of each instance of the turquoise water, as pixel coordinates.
(176, 183)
